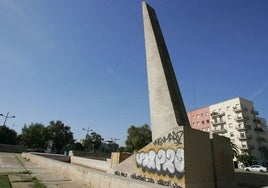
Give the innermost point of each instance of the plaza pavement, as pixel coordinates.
(15, 166)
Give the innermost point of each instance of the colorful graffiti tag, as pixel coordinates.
(163, 162)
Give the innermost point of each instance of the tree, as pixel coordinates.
(234, 149)
(34, 136)
(7, 136)
(60, 134)
(247, 159)
(77, 146)
(138, 137)
(92, 141)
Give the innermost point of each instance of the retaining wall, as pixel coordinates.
(57, 157)
(91, 163)
(90, 177)
(12, 148)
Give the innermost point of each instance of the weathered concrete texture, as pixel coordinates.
(22, 184)
(19, 177)
(204, 163)
(21, 180)
(252, 180)
(57, 157)
(166, 105)
(9, 163)
(14, 166)
(91, 163)
(198, 159)
(87, 177)
(223, 161)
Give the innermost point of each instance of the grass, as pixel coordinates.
(4, 181)
(37, 183)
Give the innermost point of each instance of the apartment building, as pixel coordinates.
(200, 119)
(238, 120)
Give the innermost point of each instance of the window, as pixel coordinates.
(206, 113)
(197, 116)
(228, 108)
(202, 114)
(231, 134)
(230, 125)
(194, 124)
(203, 122)
(220, 111)
(198, 123)
(207, 120)
(240, 125)
(208, 129)
(229, 116)
(194, 116)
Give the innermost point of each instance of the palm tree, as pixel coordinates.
(234, 149)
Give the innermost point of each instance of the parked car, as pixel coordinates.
(256, 168)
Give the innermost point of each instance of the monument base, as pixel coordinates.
(183, 157)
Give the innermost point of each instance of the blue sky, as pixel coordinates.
(83, 62)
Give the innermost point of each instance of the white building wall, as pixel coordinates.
(237, 119)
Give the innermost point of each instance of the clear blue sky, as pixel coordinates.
(83, 62)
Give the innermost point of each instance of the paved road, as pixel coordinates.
(15, 166)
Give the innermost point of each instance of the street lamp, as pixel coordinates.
(87, 131)
(7, 116)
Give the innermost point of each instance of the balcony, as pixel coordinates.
(256, 120)
(254, 112)
(216, 114)
(249, 136)
(239, 119)
(242, 127)
(258, 129)
(220, 122)
(239, 109)
(245, 147)
(219, 131)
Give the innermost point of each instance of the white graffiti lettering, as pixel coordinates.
(163, 162)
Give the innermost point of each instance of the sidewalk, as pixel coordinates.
(21, 173)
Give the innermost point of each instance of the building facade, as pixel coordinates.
(238, 120)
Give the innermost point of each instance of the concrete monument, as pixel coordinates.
(178, 156)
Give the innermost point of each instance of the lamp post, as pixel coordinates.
(88, 130)
(7, 116)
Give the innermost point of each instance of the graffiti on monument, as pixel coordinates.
(174, 137)
(148, 179)
(163, 162)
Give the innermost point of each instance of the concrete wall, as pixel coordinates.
(198, 159)
(12, 148)
(222, 157)
(91, 163)
(57, 157)
(251, 180)
(90, 177)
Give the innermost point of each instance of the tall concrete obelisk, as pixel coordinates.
(178, 156)
(166, 105)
